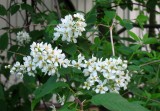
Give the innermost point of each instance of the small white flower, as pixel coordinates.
(23, 37)
(101, 88)
(61, 100)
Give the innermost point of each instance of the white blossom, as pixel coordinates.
(70, 28)
(109, 75)
(23, 37)
(42, 57)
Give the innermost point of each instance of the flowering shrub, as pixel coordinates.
(102, 75)
(78, 61)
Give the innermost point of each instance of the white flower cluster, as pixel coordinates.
(23, 37)
(109, 75)
(43, 57)
(70, 28)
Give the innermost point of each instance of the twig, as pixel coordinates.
(152, 62)
(45, 6)
(7, 21)
(15, 53)
(57, 8)
(80, 103)
(45, 105)
(147, 98)
(138, 26)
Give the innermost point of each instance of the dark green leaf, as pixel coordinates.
(3, 10)
(47, 88)
(27, 7)
(11, 51)
(91, 16)
(70, 48)
(36, 34)
(4, 41)
(14, 8)
(115, 102)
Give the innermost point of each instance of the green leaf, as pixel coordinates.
(27, 7)
(141, 19)
(150, 41)
(127, 24)
(91, 16)
(115, 102)
(47, 88)
(11, 51)
(14, 8)
(125, 50)
(70, 48)
(3, 41)
(3, 10)
(109, 16)
(134, 36)
(97, 41)
(36, 34)
(134, 68)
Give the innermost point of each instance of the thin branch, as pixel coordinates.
(45, 6)
(152, 62)
(80, 103)
(136, 4)
(138, 26)
(58, 8)
(7, 21)
(15, 53)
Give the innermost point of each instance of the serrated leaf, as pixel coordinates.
(115, 102)
(4, 41)
(3, 10)
(14, 8)
(134, 36)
